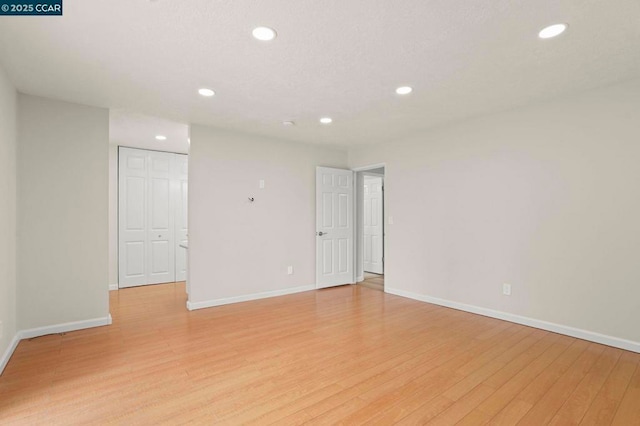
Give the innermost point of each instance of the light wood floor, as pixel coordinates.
(374, 281)
(347, 355)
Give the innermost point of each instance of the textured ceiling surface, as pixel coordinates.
(331, 58)
(139, 131)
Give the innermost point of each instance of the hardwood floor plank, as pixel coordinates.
(459, 409)
(345, 355)
(604, 407)
(337, 414)
(500, 357)
(503, 398)
(427, 411)
(282, 410)
(554, 397)
(575, 407)
(474, 418)
(511, 414)
(543, 381)
(628, 412)
(439, 378)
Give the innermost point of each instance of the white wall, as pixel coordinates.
(546, 198)
(238, 248)
(62, 212)
(8, 140)
(113, 216)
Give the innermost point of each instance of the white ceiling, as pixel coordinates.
(139, 131)
(332, 57)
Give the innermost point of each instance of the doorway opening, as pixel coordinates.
(148, 179)
(374, 281)
(370, 230)
(152, 217)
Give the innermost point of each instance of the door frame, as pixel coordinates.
(358, 259)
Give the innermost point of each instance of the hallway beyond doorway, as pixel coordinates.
(374, 281)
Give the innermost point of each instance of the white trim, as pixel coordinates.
(370, 167)
(65, 327)
(50, 329)
(369, 174)
(359, 279)
(7, 354)
(113, 287)
(354, 230)
(255, 296)
(531, 322)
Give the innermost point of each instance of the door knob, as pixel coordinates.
(320, 234)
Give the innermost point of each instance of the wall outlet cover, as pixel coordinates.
(506, 289)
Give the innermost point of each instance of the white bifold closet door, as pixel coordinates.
(150, 219)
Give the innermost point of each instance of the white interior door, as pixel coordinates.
(161, 212)
(132, 217)
(373, 225)
(148, 205)
(334, 227)
(182, 229)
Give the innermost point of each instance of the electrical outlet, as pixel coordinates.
(506, 289)
(390, 220)
(261, 184)
(289, 270)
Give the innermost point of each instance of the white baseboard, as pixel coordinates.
(113, 287)
(360, 278)
(591, 336)
(255, 296)
(6, 356)
(51, 329)
(65, 327)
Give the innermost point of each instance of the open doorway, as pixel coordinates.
(370, 229)
(152, 217)
(148, 175)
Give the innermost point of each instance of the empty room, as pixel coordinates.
(319, 212)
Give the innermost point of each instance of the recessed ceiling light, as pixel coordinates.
(404, 90)
(264, 33)
(326, 120)
(552, 31)
(206, 92)
(288, 123)
(161, 137)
